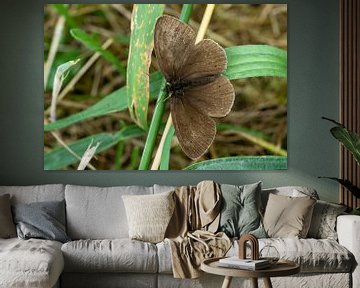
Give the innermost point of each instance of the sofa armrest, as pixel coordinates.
(348, 230)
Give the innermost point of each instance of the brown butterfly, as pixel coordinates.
(197, 89)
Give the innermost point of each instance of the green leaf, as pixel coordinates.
(242, 163)
(143, 21)
(60, 157)
(165, 155)
(113, 102)
(92, 42)
(347, 184)
(255, 60)
(349, 139)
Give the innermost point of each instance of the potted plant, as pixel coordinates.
(351, 141)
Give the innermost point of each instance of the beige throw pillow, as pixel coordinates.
(288, 217)
(7, 226)
(148, 215)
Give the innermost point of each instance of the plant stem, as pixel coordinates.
(153, 129)
(53, 47)
(200, 35)
(159, 108)
(186, 12)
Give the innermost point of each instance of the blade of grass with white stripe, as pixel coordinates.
(143, 21)
(60, 157)
(242, 163)
(243, 62)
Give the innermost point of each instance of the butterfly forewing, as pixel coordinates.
(207, 58)
(194, 130)
(214, 99)
(174, 42)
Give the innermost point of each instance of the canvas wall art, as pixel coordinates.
(165, 87)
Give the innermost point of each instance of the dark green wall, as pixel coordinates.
(313, 92)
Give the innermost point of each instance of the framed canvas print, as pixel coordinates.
(165, 86)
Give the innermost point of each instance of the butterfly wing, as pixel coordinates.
(206, 58)
(194, 130)
(214, 99)
(174, 41)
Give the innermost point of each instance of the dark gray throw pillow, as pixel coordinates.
(43, 220)
(240, 213)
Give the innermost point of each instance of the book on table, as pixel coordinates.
(236, 262)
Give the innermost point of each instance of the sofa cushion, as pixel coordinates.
(7, 226)
(287, 216)
(149, 215)
(30, 263)
(291, 191)
(240, 210)
(42, 220)
(36, 193)
(323, 222)
(98, 213)
(117, 255)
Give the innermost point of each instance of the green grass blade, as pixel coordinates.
(255, 60)
(143, 21)
(236, 57)
(60, 157)
(242, 163)
(165, 155)
(62, 9)
(255, 137)
(92, 42)
(114, 102)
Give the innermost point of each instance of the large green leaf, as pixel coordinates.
(143, 21)
(242, 163)
(255, 60)
(92, 42)
(114, 102)
(60, 157)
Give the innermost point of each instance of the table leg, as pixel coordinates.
(267, 283)
(254, 282)
(227, 282)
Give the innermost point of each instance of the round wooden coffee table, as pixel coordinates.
(281, 268)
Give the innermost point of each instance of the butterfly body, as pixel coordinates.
(196, 86)
(180, 86)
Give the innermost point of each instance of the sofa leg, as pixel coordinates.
(254, 282)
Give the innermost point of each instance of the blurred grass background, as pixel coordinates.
(260, 105)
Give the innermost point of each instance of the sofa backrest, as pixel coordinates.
(35, 193)
(98, 212)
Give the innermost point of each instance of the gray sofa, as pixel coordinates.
(101, 255)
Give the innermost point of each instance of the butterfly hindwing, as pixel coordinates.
(194, 130)
(215, 99)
